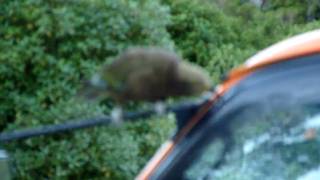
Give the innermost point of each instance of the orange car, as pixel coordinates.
(260, 123)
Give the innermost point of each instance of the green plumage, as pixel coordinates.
(147, 74)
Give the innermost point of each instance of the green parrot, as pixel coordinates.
(146, 74)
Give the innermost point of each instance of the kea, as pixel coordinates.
(146, 74)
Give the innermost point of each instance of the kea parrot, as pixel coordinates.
(146, 74)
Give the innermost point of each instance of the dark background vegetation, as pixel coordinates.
(47, 47)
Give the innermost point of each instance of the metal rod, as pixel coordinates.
(86, 123)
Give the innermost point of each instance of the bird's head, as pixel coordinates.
(193, 78)
(94, 88)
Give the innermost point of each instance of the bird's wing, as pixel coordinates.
(145, 85)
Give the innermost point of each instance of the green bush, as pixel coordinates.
(299, 11)
(199, 28)
(220, 35)
(46, 48)
(101, 152)
(68, 40)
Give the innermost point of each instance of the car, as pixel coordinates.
(261, 122)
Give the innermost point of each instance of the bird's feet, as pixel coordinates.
(160, 108)
(117, 116)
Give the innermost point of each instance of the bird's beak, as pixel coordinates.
(93, 88)
(97, 82)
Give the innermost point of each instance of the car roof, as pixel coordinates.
(300, 45)
(297, 46)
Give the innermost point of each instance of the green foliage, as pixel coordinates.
(104, 152)
(299, 11)
(68, 40)
(47, 47)
(199, 29)
(297, 29)
(221, 34)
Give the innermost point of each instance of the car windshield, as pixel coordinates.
(278, 142)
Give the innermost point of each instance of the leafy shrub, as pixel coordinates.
(198, 29)
(221, 34)
(296, 11)
(102, 152)
(297, 29)
(68, 40)
(47, 47)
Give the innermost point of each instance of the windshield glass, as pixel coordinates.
(277, 142)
